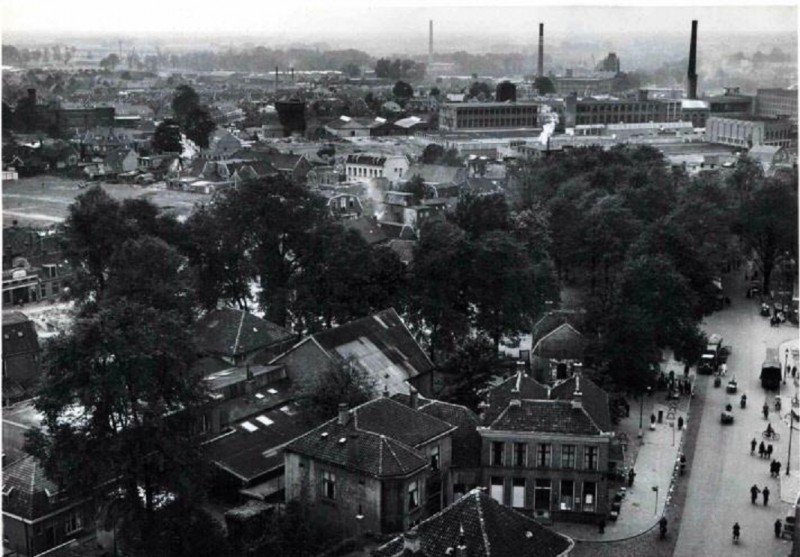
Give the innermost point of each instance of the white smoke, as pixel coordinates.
(550, 119)
(376, 196)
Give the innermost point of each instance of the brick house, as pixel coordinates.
(546, 451)
(21, 370)
(368, 468)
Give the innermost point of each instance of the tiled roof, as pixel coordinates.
(554, 319)
(233, 332)
(518, 386)
(19, 335)
(546, 416)
(28, 498)
(466, 447)
(486, 528)
(248, 454)
(564, 342)
(593, 398)
(378, 439)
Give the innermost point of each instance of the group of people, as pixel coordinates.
(764, 451)
(775, 469)
(754, 491)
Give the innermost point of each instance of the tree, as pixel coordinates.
(416, 185)
(479, 214)
(184, 101)
(544, 85)
(471, 366)
(438, 305)
(167, 137)
(432, 153)
(120, 402)
(504, 287)
(346, 381)
(402, 90)
(480, 90)
(110, 62)
(199, 125)
(768, 225)
(532, 227)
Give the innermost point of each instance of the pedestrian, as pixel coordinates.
(602, 525)
(680, 423)
(769, 450)
(631, 477)
(754, 491)
(765, 410)
(778, 528)
(794, 372)
(762, 450)
(765, 494)
(777, 469)
(753, 444)
(772, 468)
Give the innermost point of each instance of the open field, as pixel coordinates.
(43, 200)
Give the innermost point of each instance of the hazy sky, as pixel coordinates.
(309, 19)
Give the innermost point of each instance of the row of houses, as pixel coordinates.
(389, 465)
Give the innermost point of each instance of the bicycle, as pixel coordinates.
(774, 436)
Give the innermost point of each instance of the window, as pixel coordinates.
(590, 458)
(589, 496)
(434, 454)
(543, 455)
(520, 454)
(567, 495)
(541, 495)
(518, 493)
(328, 485)
(497, 453)
(73, 523)
(413, 495)
(568, 456)
(496, 489)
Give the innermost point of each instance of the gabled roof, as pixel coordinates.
(563, 342)
(234, 332)
(466, 446)
(551, 320)
(546, 416)
(519, 386)
(28, 499)
(486, 528)
(381, 344)
(593, 398)
(283, 161)
(379, 439)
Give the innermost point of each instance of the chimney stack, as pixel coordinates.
(430, 41)
(540, 67)
(577, 396)
(411, 542)
(692, 74)
(343, 412)
(414, 395)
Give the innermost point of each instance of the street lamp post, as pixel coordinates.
(791, 429)
(641, 412)
(786, 366)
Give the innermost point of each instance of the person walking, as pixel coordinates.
(753, 444)
(631, 477)
(772, 469)
(777, 469)
(769, 450)
(765, 495)
(762, 450)
(778, 528)
(754, 491)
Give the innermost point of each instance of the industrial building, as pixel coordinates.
(775, 103)
(489, 115)
(749, 131)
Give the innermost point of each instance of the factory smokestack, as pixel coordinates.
(540, 67)
(430, 41)
(692, 74)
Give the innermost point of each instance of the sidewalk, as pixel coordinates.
(657, 454)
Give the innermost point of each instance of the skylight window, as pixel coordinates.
(264, 420)
(250, 428)
(259, 396)
(272, 391)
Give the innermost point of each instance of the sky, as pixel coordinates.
(309, 19)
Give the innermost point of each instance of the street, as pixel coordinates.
(723, 469)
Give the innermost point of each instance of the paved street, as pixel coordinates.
(723, 469)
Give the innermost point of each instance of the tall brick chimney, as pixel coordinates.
(691, 84)
(540, 67)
